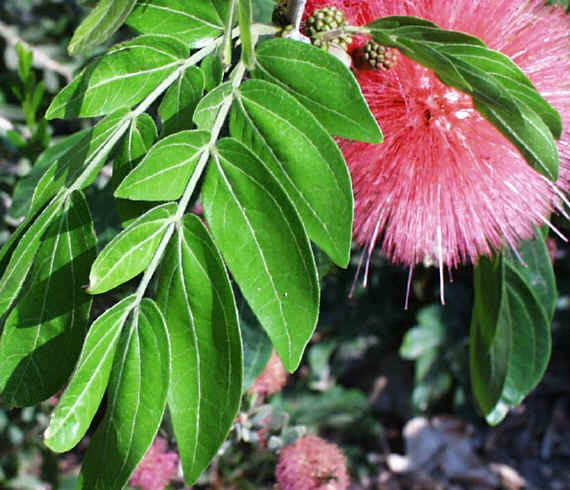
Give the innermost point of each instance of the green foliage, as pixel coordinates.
(500, 91)
(251, 139)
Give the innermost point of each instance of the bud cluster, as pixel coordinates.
(380, 57)
(280, 15)
(328, 19)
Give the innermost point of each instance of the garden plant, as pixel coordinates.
(250, 142)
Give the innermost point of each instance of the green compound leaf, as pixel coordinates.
(510, 332)
(265, 246)
(121, 78)
(100, 24)
(52, 315)
(208, 108)
(82, 397)
(137, 394)
(196, 296)
(23, 255)
(322, 84)
(131, 251)
(131, 149)
(177, 106)
(166, 168)
(303, 158)
(191, 22)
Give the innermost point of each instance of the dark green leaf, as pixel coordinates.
(24, 188)
(208, 108)
(509, 348)
(191, 22)
(23, 255)
(96, 142)
(52, 316)
(100, 24)
(121, 78)
(132, 148)
(395, 21)
(137, 397)
(130, 252)
(322, 83)
(265, 246)
(213, 70)
(166, 168)
(436, 35)
(530, 135)
(303, 158)
(80, 400)
(196, 297)
(257, 346)
(177, 106)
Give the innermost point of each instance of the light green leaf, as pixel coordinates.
(23, 254)
(137, 397)
(434, 34)
(80, 400)
(52, 315)
(165, 170)
(177, 106)
(192, 22)
(131, 149)
(247, 41)
(322, 84)
(303, 158)
(96, 142)
(121, 78)
(395, 21)
(130, 252)
(208, 108)
(100, 24)
(196, 296)
(265, 246)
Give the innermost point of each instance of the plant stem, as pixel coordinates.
(295, 9)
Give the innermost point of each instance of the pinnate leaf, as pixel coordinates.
(137, 392)
(80, 400)
(121, 78)
(52, 315)
(510, 332)
(303, 158)
(100, 24)
(208, 108)
(166, 168)
(177, 106)
(134, 145)
(198, 303)
(191, 22)
(131, 251)
(23, 254)
(322, 84)
(265, 246)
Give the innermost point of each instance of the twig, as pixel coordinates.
(295, 9)
(41, 60)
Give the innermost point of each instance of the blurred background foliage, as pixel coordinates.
(371, 367)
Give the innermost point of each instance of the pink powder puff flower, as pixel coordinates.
(312, 463)
(158, 467)
(272, 379)
(446, 186)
